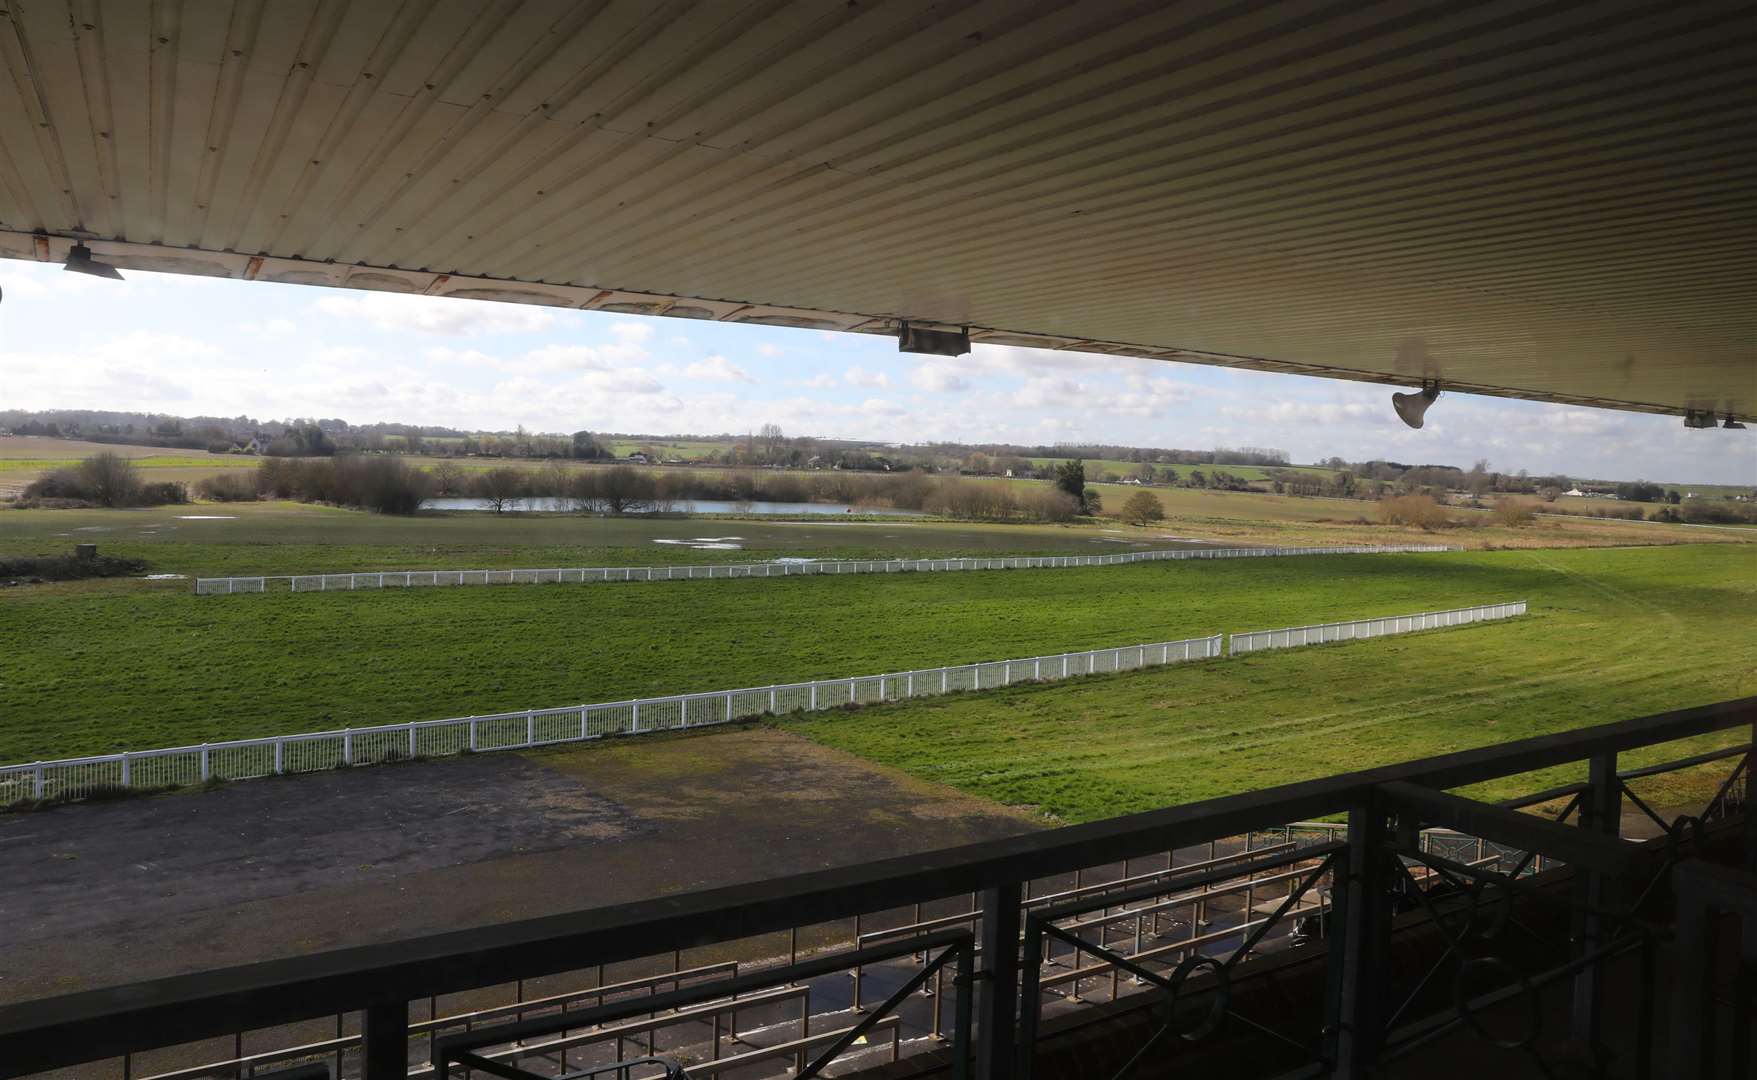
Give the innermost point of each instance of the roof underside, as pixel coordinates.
(1544, 200)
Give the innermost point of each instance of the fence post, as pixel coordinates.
(37, 775)
(728, 705)
(530, 729)
(771, 699)
(472, 733)
(125, 768)
(278, 745)
(204, 768)
(347, 749)
(411, 742)
(814, 697)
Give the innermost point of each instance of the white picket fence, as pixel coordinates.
(404, 579)
(238, 759)
(1360, 629)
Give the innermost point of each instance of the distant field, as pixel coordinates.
(282, 538)
(24, 458)
(1164, 473)
(1612, 634)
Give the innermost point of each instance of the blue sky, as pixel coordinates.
(196, 346)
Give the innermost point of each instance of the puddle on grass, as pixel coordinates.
(707, 543)
(163, 577)
(93, 528)
(207, 517)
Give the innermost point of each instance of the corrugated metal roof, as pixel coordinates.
(1544, 199)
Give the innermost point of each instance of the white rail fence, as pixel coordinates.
(1360, 629)
(406, 579)
(239, 759)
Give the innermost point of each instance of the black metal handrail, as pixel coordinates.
(381, 979)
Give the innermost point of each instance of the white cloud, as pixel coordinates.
(439, 315)
(717, 369)
(871, 380)
(631, 332)
(939, 378)
(824, 381)
(769, 350)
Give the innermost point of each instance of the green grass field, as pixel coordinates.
(85, 668)
(1612, 635)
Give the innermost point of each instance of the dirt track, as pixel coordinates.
(110, 893)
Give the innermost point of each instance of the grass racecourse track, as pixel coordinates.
(1614, 633)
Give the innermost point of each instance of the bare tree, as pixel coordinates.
(447, 477)
(110, 478)
(626, 490)
(502, 487)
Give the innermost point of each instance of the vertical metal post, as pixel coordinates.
(204, 767)
(125, 768)
(1693, 1007)
(1601, 808)
(1360, 953)
(279, 747)
(998, 1000)
(1751, 828)
(385, 1040)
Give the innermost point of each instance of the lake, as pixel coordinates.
(681, 506)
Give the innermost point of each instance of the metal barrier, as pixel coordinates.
(412, 579)
(1366, 1012)
(1360, 629)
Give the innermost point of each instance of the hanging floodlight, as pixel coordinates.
(1411, 407)
(1698, 418)
(80, 261)
(914, 339)
(1732, 425)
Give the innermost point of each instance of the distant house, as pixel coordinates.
(638, 458)
(1574, 491)
(1135, 480)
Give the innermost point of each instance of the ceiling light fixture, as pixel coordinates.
(1412, 407)
(1732, 425)
(80, 261)
(1698, 418)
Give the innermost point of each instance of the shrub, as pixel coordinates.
(385, 484)
(1514, 513)
(227, 487)
(61, 486)
(110, 479)
(1416, 511)
(163, 493)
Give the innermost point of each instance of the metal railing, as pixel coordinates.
(1482, 926)
(409, 579)
(1360, 629)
